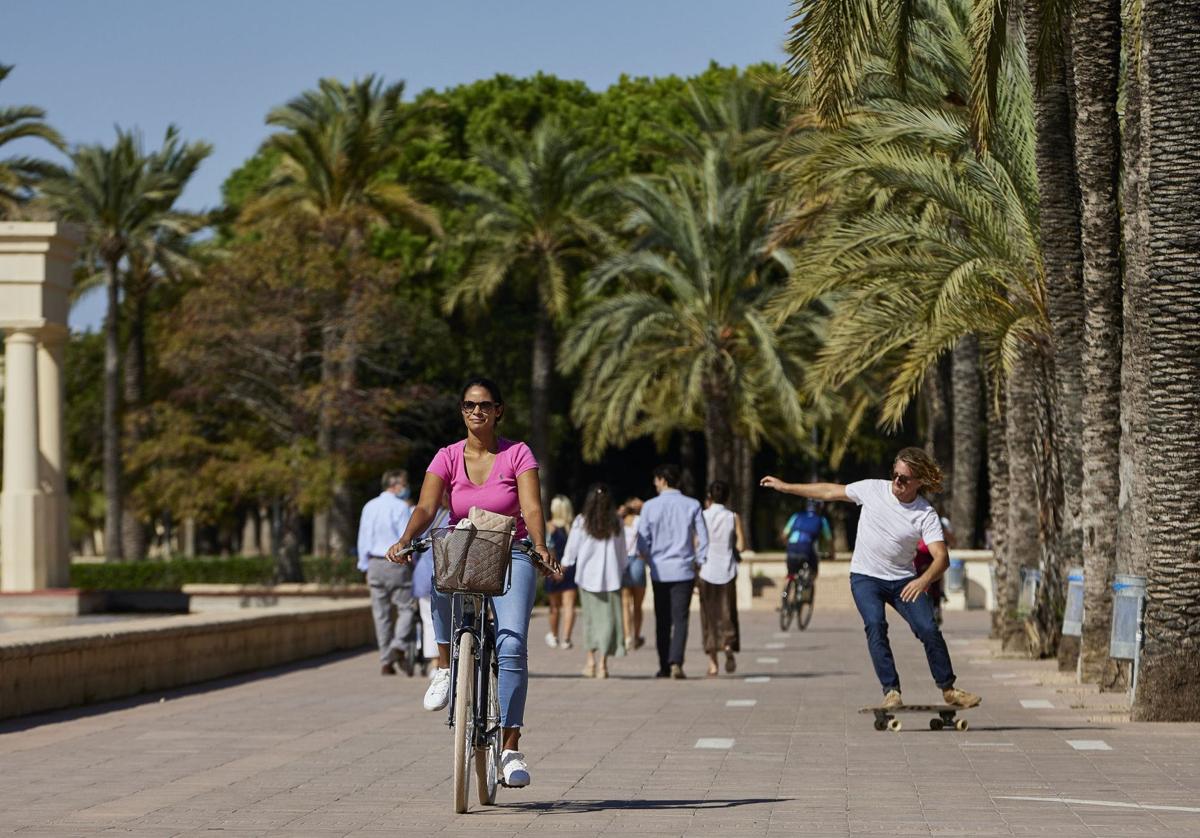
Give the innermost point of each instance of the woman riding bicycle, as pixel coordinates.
(501, 476)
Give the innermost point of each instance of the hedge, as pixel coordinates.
(172, 574)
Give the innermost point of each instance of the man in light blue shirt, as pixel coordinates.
(382, 524)
(673, 539)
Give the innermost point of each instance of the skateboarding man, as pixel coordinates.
(894, 518)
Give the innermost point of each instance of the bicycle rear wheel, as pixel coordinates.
(464, 721)
(786, 607)
(487, 760)
(804, 607)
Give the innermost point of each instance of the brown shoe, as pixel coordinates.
(892, 700)
(387, 669)
(730, 663)
(960, 698)
(677, 672)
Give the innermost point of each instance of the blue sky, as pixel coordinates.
(216, 68)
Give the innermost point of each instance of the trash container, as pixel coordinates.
(1073, 615)
(1128, 593)
(956, 576)
(1030, 579)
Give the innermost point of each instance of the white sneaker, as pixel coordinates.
(551, 640)
(438, 694)
(514, 769)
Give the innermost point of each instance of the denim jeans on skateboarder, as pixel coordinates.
(871, 595)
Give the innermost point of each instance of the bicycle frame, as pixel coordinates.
(468, 615)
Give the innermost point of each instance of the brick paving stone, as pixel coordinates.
(328, 748)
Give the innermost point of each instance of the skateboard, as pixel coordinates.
(885, 717)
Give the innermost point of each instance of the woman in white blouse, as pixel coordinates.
(596, 549)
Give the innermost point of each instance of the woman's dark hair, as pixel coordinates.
(486, 383)
(670, 473)
(600, 513)
(718, 491)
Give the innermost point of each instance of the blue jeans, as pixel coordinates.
(512, 630)
(870, 595)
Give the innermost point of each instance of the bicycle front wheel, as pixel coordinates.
(786, 605)
(464, 721)
(487, 760)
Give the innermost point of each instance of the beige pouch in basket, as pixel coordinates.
(490, 553)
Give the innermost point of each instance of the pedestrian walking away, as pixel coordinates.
(895, 516)
(383, 521)
(718, 579)
(596, 549)
(501, 476)
(560, 588)
(633, 580)
(673, 539)
(423, 583)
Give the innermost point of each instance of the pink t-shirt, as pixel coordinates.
(497, 494)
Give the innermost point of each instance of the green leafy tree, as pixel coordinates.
(338, 148)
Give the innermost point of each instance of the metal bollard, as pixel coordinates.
(956, 576)
(1073, 614)
(1031, 578)
(1128, 593)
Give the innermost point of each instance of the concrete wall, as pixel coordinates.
(52, 668)
(761, 577)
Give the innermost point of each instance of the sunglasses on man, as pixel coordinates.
(902, 479)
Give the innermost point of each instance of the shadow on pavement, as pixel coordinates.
(154, 696)
(576, 807)
(774, 676)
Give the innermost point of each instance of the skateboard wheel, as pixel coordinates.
(935, 724)
(894, 725)
(880, 724)
(961, 724)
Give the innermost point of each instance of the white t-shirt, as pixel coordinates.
(719, 568)
(888, 530)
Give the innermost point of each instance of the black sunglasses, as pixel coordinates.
(902, 479)
(486, 407)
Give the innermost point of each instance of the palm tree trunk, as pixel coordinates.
(744, 487)
(1059, 211)
(1170, 663)
(718, 436)
(1096, 48)
(326, 430)
(539, 384)
(998, 485)
(1022, 548)
(967, 425)
(112, 419)
(342, 524)
(289, 543)
(133, 530)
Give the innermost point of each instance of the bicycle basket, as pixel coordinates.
(471, 561)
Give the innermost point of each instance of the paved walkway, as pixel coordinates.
(333, 749)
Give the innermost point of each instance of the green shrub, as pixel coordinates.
(172, 574)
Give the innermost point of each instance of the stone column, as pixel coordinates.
(50, 443)
(22, 505)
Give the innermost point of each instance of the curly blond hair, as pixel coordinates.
(923, 467)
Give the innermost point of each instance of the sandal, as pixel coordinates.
(730, 663)
(589, 671)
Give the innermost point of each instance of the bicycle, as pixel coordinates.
(797, 600)
(474, 708)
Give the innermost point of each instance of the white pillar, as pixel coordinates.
(50, 443)
(22, 505)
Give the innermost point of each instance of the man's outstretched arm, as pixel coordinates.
(816, 491)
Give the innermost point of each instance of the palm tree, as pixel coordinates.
(539, 224)
(1169, 319)
(121, 196)
(19, 174)
(340, 147)
(686, 341)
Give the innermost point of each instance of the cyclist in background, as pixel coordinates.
(807, 536)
